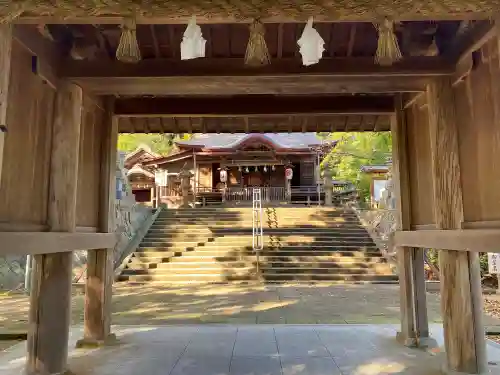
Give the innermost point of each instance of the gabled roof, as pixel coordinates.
(280, 141)
(374, 168)
(138, 169)
(141, 154)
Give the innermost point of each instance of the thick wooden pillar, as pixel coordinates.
(50, 308)
(99, 282)
(461, 297)
(414, 323)
(5, 59)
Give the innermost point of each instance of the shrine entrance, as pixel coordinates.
(72, 76)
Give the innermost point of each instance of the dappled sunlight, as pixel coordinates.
(380, 367)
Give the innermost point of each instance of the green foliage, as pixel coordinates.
(163, 144)
(355, 150)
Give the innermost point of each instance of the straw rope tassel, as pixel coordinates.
(128, 49)
(388, 51)
(257, 53)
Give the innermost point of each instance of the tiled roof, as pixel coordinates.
(282, 140)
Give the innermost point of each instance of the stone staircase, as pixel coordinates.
(301, 244)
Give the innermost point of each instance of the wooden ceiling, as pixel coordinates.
(352, 90)
(254, 114)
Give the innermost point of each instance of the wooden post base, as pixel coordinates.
(90, 343)
(416, 342)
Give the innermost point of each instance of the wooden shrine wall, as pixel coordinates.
(478, 122)
(87, 205)
(478, 116)
(25, 178)
(24, 186)
(419, 161)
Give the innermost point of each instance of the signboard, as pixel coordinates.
(161, 177)
(494, 262)
(289, 173)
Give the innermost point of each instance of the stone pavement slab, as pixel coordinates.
(187, 350)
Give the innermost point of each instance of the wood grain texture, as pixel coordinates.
(402, 193)
(5, 59)
(27, 144)
(461, 301)
(414, 322)
(87, 205)
(98, 288)
(50, 300)
(24, 243)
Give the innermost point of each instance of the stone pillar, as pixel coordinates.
(50, 304)
(461, 295)
(185, 175)
(100, 262)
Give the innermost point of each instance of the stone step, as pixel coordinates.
(276, 258)
(201, 262)
(229, 248)
(249, 225)
(378, 267)
(251, 269)
(153, 256)
(267, 231)
(242, 243)
(268, 239)
(268, 278)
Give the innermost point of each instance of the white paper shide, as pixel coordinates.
(311, 44)
(193, 43)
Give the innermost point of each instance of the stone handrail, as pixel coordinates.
(380, 224)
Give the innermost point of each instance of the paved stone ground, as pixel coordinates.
(250, 350)
(291, 304)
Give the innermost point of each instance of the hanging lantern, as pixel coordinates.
(239, 168)
(311, 45)
(223, 175)
(273, 168)
(388, 51)
(128, 49)
(193, 43)
(246, 170)
(288, 173)
(256, 169)
(265, 168)
(257, 53)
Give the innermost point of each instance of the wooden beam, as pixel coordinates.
(279, 48)
(34, 243)
(50, 305)
(348, 15)
(261, 85)
(47, 56)
(5, 64)
(470, 41)
(468, 240)
(232, 77)
(461, 295)
(248, 105)
(352, 39)
(100, 270)
(408, 334)
(226, 67)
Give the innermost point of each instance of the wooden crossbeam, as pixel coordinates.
(243, 106)
(475, 240)
(47, 57)
(24, 243)
(232, 77)
(350, 16)
(227, 67)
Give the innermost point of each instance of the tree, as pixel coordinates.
(354, 150)
(163, 144)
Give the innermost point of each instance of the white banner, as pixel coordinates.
(161, 177)
(493, 262)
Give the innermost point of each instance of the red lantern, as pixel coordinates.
(223, 175)
(288, 173)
